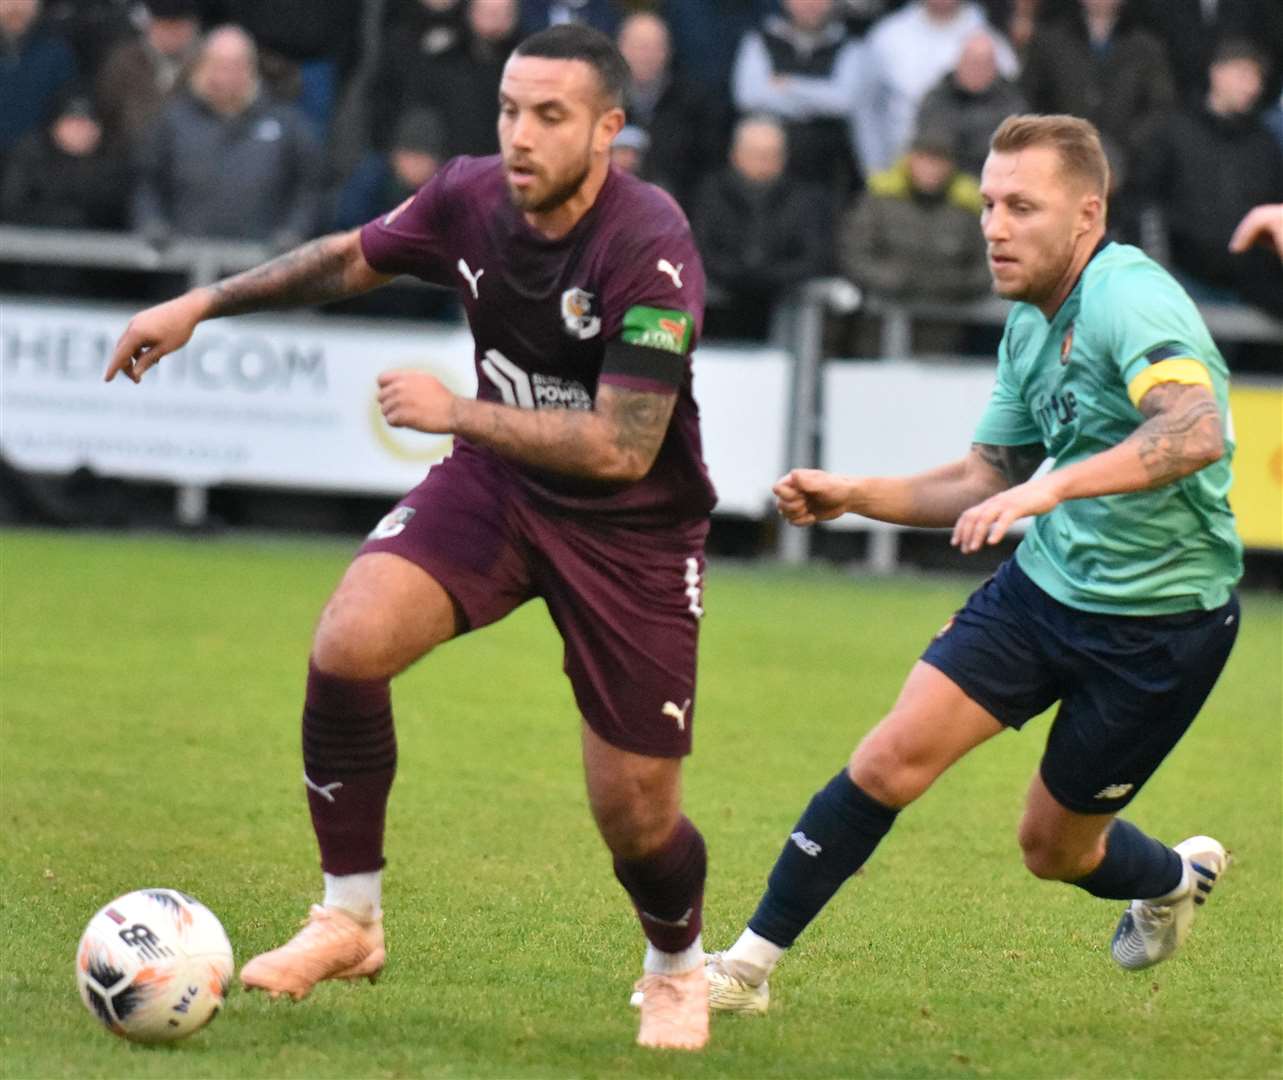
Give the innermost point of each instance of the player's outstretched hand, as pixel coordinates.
(806, 496)
(988, 522)
(155, 333)
(1261, 225)
(415, 399)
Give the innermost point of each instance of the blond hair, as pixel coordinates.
(1075, 140)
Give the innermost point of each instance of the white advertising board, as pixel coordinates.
(291, 402)
(896, 417)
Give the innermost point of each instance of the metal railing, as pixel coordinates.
(798, 327)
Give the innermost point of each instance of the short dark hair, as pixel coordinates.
(572, 41)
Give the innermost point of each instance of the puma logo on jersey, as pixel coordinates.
(325, 791)
(677, 714)
(472, 278)
(674, 272)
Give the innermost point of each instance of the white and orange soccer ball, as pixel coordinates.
(154, 965)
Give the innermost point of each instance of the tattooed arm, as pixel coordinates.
(322, 270)
(1182, 433)
(931, 499)
(615, 441)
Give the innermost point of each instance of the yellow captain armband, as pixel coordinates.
(1177, 369)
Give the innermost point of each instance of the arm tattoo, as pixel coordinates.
(641, 419)
(1182, 433)
(1016, 463)
(312, 274)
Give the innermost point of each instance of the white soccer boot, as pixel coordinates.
(1150, 931)
(729, 993)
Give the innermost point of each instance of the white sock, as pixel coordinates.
(1177, 893)
(360, 895)
(752, 958)
(673, 963)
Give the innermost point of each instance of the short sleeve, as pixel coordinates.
(1149, 330)
(411, 238)
(653, 305)
(1006, 420)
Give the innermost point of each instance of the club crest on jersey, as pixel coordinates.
(393, 524)
(577, 316)
(1067, 346)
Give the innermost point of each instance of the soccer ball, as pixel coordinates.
(154, 965)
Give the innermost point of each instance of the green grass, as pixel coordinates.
(150, 693)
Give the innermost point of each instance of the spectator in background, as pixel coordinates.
(803, 68)
(1100, 63)
(760, 231)
(1274, 121)
(541, 14)
(305, 47)
(686, 126)
(137, 77)
(914, 235)
(35, 68)
(910, 51)
(67, 175)
(1206, 169)
(380, 182)
(384, 180)
(706, 37)
(225, 160)
(971, 101)
(1192, 29)
(630, 148)
(1261, 226)
(460, 82)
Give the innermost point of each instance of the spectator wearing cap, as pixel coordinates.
(687, 128)
(914, 235)
(761, 232)
(804, 69)
(1206, 169)
(224, 160)
(382, 181)
(138, 77)
(36, 66)
(971, 101)
(66, 175)
(629, 150)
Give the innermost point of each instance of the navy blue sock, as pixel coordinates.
(1135, 866)
(832, 840)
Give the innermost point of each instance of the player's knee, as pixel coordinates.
(355, 645)
(1047, 857)
(633, 828)
(884, 770)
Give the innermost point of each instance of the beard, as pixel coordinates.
(559, 194)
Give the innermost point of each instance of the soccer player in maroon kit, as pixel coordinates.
(576, 476)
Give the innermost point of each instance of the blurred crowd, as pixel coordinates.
(804, 137)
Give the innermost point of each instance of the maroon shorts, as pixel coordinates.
(627, 601)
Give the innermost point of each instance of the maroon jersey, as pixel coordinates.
(619, 299)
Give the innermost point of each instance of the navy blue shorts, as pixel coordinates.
(1128, 686)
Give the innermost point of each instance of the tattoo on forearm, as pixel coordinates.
(1182, 433)
(641, 420)
(312, 274)
(1016, 463)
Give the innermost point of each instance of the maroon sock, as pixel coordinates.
(667, 888)
(349, 760)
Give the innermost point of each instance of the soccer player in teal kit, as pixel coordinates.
(1118, 603)
(576, 476)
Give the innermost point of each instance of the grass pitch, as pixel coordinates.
(151, 691)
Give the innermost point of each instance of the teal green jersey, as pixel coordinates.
(1073, 383)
